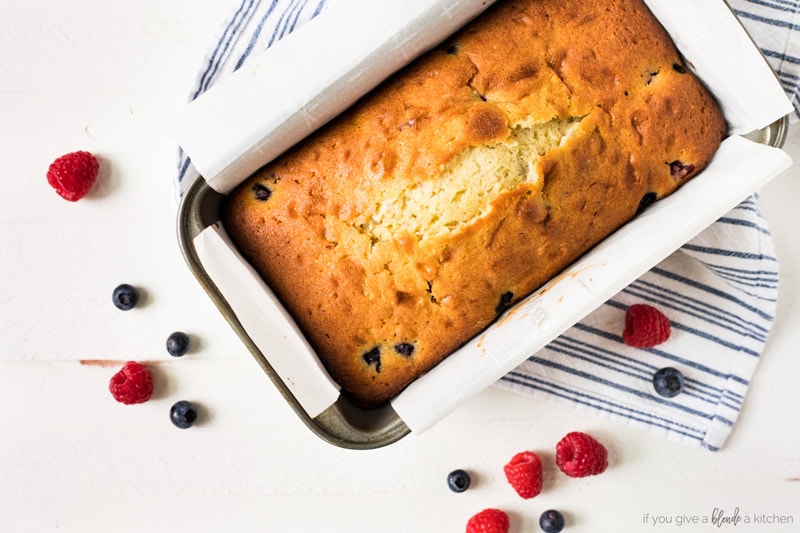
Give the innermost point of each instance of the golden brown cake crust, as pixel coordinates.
(465, 182)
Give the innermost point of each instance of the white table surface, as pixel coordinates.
(107, 77)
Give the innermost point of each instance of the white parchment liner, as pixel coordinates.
(307, 78)
(288, 91)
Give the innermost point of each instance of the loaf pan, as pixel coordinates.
(342, 424)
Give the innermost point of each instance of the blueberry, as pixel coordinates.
(679, 170)
(261, 192)
(183, 414)
(458, 480)
(647, 200)
(405, 349)
(668, 382)
(551, 521)
(125, 297)
(178, 344)
(504, 302)
(373, 358)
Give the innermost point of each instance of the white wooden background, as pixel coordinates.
(106, 77)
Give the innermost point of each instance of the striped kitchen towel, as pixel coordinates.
(254, 25)
(251, 27)
(719, 290)
(774, 25)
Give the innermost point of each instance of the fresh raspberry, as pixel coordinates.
(132, 384)
(488, 521)
(73, 174)
(524, 473)
(580, 455)
(645, 326)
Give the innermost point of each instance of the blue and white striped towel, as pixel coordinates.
(719, 290)
(775, 27)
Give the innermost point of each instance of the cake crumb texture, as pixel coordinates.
(466, 181)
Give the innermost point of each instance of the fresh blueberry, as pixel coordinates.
(551, 521)
(183, 414)
(668, 382)
(125, 297)
(458, 480)
(178, 344)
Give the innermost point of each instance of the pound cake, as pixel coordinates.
(469, 179)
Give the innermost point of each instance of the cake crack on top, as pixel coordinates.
(466, 188)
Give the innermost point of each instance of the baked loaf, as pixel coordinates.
(465, 182)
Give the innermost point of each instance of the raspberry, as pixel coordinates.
(132, 384)
(645, 326)
(488, 521)
(580, 455)
(73, 174)
(524, 473)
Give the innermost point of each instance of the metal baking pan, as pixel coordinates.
(773, 135)
(342, 424)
